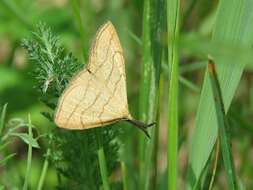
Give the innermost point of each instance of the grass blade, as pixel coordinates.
(29, 156)
(44, 170)
(189, 84)
(172, 144)
(3, 161)
(144, 87)
(233, 25)
(223, 125)
(102, 161)
(124, 175)
(78, 18)
(153, 25)
(103, 168)
(217, 150)
(2, 119)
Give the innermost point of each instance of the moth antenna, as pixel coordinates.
(142, 126)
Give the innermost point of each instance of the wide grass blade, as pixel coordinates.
(234, 25)
(172, 144)
(153, 25)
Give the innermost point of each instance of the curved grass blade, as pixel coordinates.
(223, 125)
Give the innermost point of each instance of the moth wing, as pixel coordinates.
(106, 62)
(87, 103)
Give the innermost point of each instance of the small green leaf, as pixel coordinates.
(27, 139)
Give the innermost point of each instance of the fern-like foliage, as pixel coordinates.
(74, 153)
(54, 67)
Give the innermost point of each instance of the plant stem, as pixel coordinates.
(153, 22)
(78, 18)
(124, 175)
(157, 128)
(102, 161)
(223, 126)
(173, 32)
(44, 170)
(144, 89)
(189, 84)
(2, 119)
(29, 155)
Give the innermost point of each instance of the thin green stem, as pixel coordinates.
(78, 18)
(29, 155)
(189, 84)
(217, 150)
(189, 68)
(173, 32)
(157, 129)
(2, 119)
(44, 171)
(184, 81)
(12, 7)
(102, 161)
(223, 126)
(124, 175)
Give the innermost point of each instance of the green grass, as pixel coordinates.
(44, 170)
(2, 119)
(102, 161)
(149, 86)
(232, 25)
(13, 8)
(80, 24)
(173, 14)
(223, 126)
(166, 43)
(29, 156)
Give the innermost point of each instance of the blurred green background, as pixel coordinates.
(19, 17)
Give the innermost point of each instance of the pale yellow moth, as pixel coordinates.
(97, 95)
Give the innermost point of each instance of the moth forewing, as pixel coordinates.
(97, 95)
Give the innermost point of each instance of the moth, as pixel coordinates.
(97, 95)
